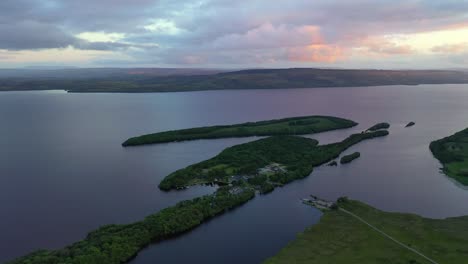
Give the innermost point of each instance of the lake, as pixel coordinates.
(64, 173)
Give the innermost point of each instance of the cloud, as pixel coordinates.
(316, 53)
(108, 45)
(217, 32)
(454, 53)
(269, 36)
(33, 35)
(53, 56)
(383, 46)
(451, 48)
(5, 55)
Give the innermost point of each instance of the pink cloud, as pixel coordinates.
(454, 26)
(316, 53)
(270, 36)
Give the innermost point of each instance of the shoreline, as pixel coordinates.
(227, 89)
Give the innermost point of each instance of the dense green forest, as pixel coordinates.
(286, 126)
(452, 152)
(350, 157)
(295, 156)
(340, 238)
(115, 244)
(246, 79)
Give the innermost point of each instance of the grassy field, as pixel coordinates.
(286, 126)
(341, 239)
(294, 157)
(452, 152)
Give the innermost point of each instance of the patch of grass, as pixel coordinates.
(286, 126)
(458, 171)
(452, 152)
(341, 239)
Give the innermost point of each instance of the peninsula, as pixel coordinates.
(452, 152)
(263, 163)
(353, 232)
(116, 244)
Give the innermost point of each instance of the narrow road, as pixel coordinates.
(389, 237)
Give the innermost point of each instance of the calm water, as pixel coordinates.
(64, 173)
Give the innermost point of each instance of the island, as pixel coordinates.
(379, 126)
(352, 232)
(350, 157)
(240, 172)
(452, 152)
(286, 126)
(410, 124)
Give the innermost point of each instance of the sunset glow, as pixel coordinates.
(427, 34)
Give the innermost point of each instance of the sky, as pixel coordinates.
(403, 34)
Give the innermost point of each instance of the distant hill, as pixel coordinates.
(69, 72)
(173, 80)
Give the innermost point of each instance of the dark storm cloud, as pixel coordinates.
(40, 24)
(33, 35)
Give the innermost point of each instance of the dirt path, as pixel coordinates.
(389, 237)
